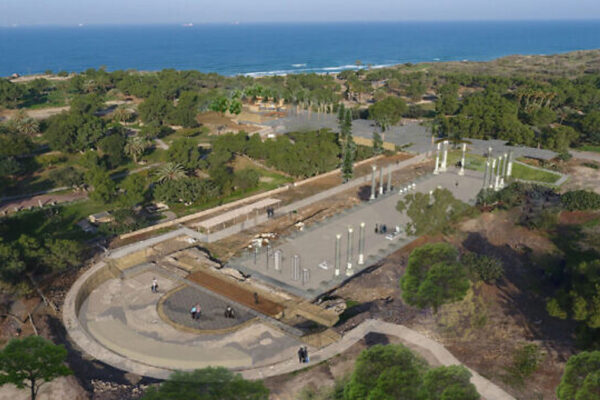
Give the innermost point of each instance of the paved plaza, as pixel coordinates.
(177, 305)
(313, 251)
(121, 314)
(412, 136)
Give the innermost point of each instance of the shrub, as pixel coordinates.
(67, 176)
(526, 360)
(580, 200)
(481, 267)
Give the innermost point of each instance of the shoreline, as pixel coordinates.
(303, 68)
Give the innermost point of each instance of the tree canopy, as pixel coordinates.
(208, 384)
(31, 362)
(434, 276)
(581, 378)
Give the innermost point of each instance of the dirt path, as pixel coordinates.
(39, 201)
(487, 389)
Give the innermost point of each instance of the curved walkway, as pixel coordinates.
(487, 389)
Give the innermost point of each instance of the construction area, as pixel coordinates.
(271, 271)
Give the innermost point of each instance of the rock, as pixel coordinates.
(133, 378)
(338, 306)
(234, 273)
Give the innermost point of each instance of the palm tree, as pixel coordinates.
(170, 172)
(135, 147)
(122, 114)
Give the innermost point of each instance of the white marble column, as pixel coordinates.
(373, 182)
(436, 170)
(349, 271)
(338, 251)
(444, 166)
(361, 244)
(510, 164)
(462, 160)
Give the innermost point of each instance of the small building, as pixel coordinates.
(101, 218)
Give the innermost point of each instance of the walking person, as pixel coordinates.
(301, 355)
(305, 351)
(198, 310)
(193, 312)
(154, 286)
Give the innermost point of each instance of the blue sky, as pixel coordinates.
(71, 12)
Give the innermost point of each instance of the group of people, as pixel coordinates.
(196, 311)
(270, 212)
(229, 313)
(303, 355)
(380, 228)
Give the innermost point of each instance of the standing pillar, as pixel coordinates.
(491, 184)
(510, 164)
(498, 170)
(277, 260)
(349, 252)
(436, 170)
(338, 251)
(373, 183)
(462, 160)
(361, 244)
(389, 181)
(380, 181)
(445, 157)
(486, 174)
(504, 167)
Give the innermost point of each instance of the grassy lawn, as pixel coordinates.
(477, 163)
(529, 174)
(589, 148)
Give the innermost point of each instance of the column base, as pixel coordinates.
(461, 172)
(361, 259)
(349, 272)
(337, 272)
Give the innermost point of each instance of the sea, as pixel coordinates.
(279, 49)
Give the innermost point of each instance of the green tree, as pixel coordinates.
(581, 379)
(134, 191)
(67, 176)
(185, 152)
(113, 147)
(235, 107)
(386, 372)
(590, 125)
(63, 253)
(31, 362)
(208, 384)
(388, 111)
(104, 186)
(431, 214)
(220, 105)
(449, 383)
(434, 276)
(170, 172)
(187, 109)
(136, 146)
(447, 102)
(155, 109)
(377, 143)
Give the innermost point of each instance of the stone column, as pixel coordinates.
(296, 267)
(445, 157)
(380, 181)
(349, 252)
(277, 260)
(486, 174)
(491, 185)
(373, 183)
(361, 244)
(504, 168)
(498, 171)
(436, 170)
(338, 251)
(462, 160)
(389, 182)
(510, 164)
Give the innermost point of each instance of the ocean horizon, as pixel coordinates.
(260, 49)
